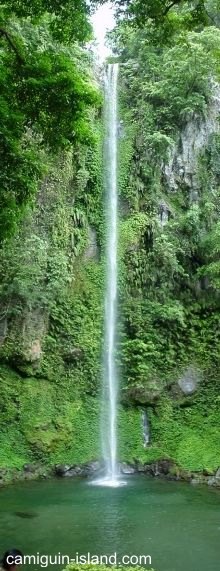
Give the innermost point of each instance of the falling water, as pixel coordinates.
(111, 475)
(110, 382)
(110, 373)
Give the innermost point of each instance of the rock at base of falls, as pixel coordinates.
(69, 471)
(127, 469)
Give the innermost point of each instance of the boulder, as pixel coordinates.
(215, 480)
(140, 468)
(73, 471)
(62, 469)
(147, 395)
(198, 479)
(91, 467)
(217, 475)
(127, 469)
(70, 471)
(159, 468)
(30, 468)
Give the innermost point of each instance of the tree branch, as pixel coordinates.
(168, 8)
(6, 35)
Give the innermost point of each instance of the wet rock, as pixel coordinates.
(73, 471)
(62, 469)
(217, 475)
(198, 479)
(179, 474)
(30, 468)
(127, 469)
(70, 471)
(91, 468)
(159, 468)
(140, 468)
(214, 480)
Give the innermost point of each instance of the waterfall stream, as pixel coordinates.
(110, 381)
(110, 372)
(111, 293)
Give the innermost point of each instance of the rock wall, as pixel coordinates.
(183, 164)
(169, 181)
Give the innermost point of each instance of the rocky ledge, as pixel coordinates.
(164, 468)
(168, 469)
(41, 472)
(83, 470)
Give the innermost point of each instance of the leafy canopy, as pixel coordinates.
(46, 94)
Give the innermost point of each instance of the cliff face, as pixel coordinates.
(183, 163)
(51, 318)
(170, 236)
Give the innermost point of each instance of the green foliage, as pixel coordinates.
(165, 18)
(68, 21)
(51, 294)
(39, 425)
(189, 435)
(101, 567)
(46, 97)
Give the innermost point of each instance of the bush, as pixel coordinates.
(97, 567)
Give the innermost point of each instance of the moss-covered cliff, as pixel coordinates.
(169, 183)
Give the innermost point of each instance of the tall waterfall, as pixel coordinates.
(109, 423)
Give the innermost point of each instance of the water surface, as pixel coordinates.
(177, 524)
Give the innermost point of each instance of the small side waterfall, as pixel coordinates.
(146, 428)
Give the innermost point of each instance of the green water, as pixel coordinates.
(175, 523)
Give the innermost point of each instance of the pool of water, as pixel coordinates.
(178, 525)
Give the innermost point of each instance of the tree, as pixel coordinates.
(158, 10)
(45, 94)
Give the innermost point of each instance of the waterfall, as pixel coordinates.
(110, 372)
(110, 381)
(111, 475)
(146, 429)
